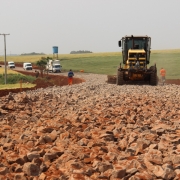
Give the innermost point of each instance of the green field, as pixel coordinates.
(106, 63)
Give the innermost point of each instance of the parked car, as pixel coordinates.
(27, 66)
(11, 64)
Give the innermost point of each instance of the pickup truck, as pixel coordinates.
(27, 66)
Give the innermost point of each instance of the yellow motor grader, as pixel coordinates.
(136, 56)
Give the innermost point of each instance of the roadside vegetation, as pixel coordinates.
(14, 79)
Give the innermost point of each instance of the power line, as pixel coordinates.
(5, 65)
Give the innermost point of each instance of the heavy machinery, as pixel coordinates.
(53, 66)
(136, 56)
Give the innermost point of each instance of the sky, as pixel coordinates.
(93, 25)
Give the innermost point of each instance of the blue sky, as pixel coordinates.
(94, 25)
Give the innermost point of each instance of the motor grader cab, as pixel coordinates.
(136, 56)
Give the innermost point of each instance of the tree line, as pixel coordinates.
(80, 52)
(33, 53)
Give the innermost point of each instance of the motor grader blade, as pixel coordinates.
(111, 79)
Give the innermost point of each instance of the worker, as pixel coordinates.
(162, 74)
(37, 73)
(70, 77)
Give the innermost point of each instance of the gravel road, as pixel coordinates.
(92, 130)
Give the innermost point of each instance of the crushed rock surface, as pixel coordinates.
(91, 130)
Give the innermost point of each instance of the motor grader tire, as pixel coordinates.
(111, 79)
(153, 79)
(120, 79)
(153, 68)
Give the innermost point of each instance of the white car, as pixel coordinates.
(11, 64)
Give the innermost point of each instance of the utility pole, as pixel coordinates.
(5, 65)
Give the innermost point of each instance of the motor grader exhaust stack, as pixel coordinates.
(135, 56)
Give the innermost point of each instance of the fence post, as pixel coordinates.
(20, 85)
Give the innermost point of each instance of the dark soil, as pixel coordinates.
(112, 80)
(173, 81)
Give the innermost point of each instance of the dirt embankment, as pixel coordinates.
(46, 81)
(173, 81)
(112, 80)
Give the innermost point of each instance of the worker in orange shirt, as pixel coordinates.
(163, 74)
(70, 77)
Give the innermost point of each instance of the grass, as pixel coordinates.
(13, 80)
(98, 65)
(35, 58)
(9, 71)
(107, 63)
(169, 61)
(31, 59)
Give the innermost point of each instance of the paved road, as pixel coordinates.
(21, 69)
(17, 68)
(77, 74)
